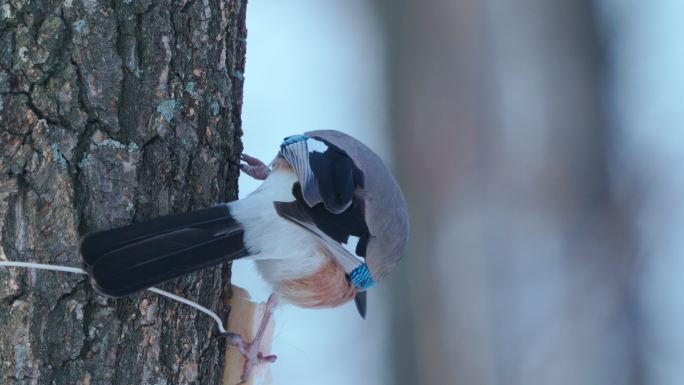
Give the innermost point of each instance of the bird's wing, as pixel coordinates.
(328, 201)
(336, 239)
(326, 173)
(300, 214)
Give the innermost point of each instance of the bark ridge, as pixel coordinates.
(112, 112)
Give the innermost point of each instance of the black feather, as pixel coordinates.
(360, 301)
(336, 174)
(124, 260)
(350, 222)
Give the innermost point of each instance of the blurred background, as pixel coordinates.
(538, 144)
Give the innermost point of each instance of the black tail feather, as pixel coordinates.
(128, 259)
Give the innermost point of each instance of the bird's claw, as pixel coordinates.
(250, 351)
(271, 358)
(254, 167)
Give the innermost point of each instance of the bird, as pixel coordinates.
(326, 224)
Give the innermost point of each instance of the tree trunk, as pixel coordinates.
(112, 113)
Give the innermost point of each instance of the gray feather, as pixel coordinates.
(385, 209)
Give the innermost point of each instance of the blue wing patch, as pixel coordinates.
(361, 277)
(293, 139)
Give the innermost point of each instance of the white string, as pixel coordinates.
(76, 270)
(193, 304)
(43, 267)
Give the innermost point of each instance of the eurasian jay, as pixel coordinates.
(327, 223)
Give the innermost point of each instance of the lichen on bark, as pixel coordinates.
(111, 113)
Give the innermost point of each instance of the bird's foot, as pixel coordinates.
(254, 167)
(250, 351)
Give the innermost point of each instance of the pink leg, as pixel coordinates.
(250, 350)
(254, 167)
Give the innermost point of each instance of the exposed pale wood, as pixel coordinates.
(245, 317)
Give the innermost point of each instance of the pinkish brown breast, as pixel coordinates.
(328, 287)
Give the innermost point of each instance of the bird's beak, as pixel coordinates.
(360, 300)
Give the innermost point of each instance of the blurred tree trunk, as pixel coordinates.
(519, 260)
(112, 112)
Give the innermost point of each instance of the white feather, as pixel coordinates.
(282, 250)
(350, 246)
(316, 146)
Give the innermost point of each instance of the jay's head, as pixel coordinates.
(353, 199)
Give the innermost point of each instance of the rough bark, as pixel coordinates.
(112, 112)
